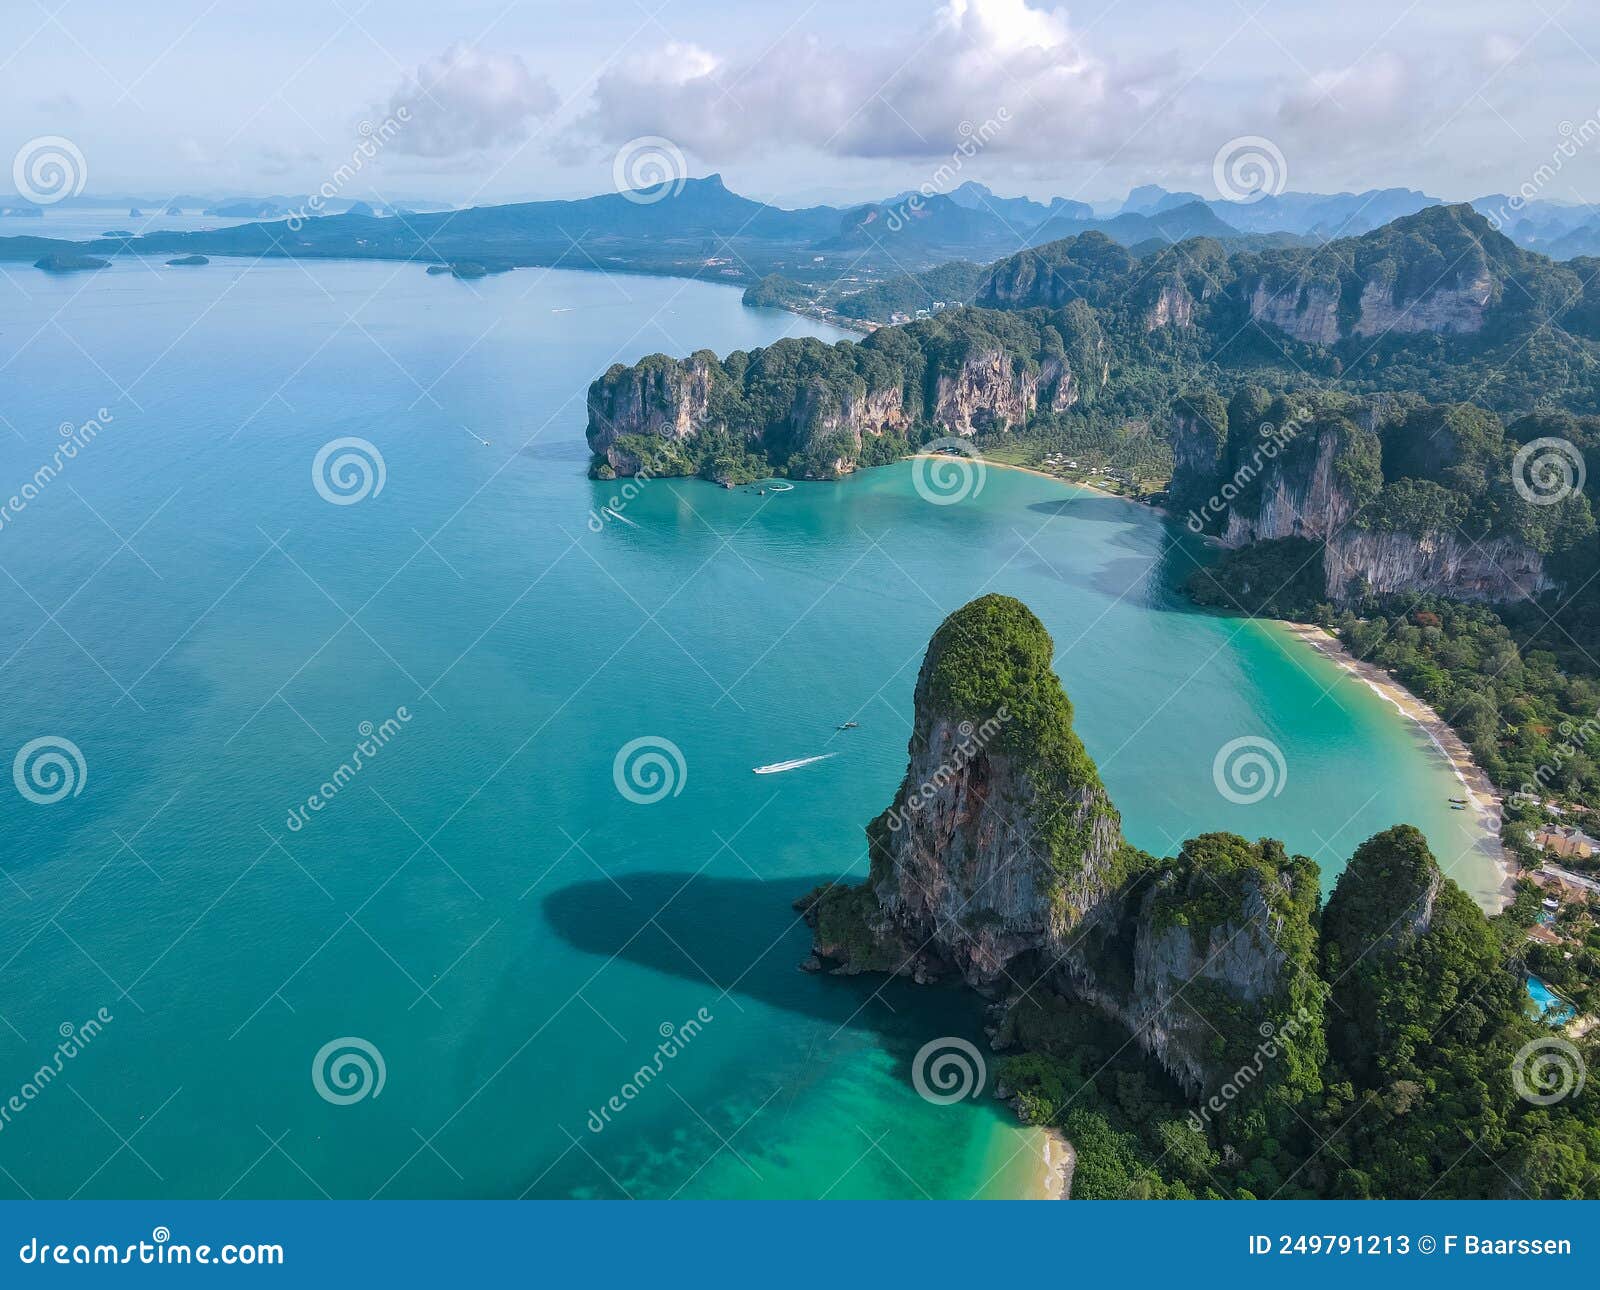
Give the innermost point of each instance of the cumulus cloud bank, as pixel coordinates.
(909, 100)
(467, 100)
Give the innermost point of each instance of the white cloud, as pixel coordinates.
(916, 98)
(466, 101)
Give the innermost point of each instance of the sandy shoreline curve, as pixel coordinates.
(1482, 798)
(1060, 1159)
(989, 463)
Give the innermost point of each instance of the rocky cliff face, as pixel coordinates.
(1311, 312)
(1300, 494)
(1304, 490)
(674, 401)
(660, 397)
(1455, 307)
(1310, 315)
(1226, 920)
(1495, 569)
(1001, 860)
(1173, 307)
(991, 391)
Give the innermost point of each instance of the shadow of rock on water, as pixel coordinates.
(738, 936)
(1091, 507)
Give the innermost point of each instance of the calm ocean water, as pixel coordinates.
(503, 930)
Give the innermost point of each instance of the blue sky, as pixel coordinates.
(804, 101)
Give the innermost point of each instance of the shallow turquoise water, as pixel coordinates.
(480, 903)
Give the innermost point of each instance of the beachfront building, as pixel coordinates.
(1566, 841)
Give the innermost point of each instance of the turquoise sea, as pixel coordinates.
(505, 932)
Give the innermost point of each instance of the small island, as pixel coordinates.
(468, 269)
(61, 263)
(187, 261)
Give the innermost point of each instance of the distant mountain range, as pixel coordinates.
(699, 228)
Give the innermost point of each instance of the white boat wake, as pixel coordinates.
(618, 515)
(778, 767)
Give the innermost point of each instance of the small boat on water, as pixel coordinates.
(778, 767)
(1456, 806)
(1458, 801)
(848, 725)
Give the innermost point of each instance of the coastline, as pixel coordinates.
(991, 463)
(1482, 798)
(1060, 1160)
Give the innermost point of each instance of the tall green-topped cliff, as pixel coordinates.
(1198, 1025)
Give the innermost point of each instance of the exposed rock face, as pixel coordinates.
(1311, 312)
(1455, 308)
(673, 400)
(659, 396)
(1001, 859)
(990, 391)
(1300, 495)
(1174, 307)
(1303, 492)
(1001, 839)
(1496, 569)
(1178, 957)
(1310, 315)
